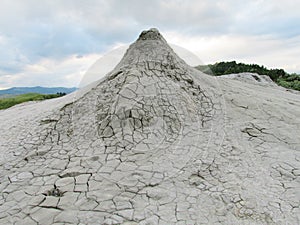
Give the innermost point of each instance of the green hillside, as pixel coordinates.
(11, 101)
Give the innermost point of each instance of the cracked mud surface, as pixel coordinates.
(155, 142)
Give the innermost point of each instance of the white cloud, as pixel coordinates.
(258, 31)
(266, 50)
(48, 72)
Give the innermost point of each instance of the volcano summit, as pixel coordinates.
(154, 142)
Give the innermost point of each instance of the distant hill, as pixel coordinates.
(37, 89)
(6, 102)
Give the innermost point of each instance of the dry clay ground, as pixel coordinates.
(154, 142)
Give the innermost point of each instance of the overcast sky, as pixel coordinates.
(54, 42)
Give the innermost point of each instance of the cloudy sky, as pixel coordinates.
(54, 42)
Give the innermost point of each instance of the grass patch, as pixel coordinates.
(11, 101)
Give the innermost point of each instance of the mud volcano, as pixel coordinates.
(154, 142)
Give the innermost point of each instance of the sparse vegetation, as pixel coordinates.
(11, 101)
(279, 76)
(291, 81)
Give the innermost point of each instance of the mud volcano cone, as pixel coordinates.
(154, 142)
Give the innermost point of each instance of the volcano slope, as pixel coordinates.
(154, 142)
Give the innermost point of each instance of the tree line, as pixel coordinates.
(279, 76)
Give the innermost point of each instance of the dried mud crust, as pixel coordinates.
(151, 144)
